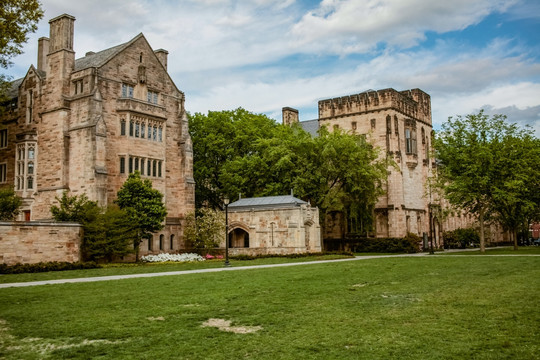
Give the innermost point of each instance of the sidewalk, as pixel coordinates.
(187, 272)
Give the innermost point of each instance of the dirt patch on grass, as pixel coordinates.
(28, 346)
(225, 325)
(159, 318)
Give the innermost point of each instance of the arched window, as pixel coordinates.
(123, 127)
(131, 128)
(150, 240)
(161, 240)
(171, 243)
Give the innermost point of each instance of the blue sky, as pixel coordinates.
(263, 55)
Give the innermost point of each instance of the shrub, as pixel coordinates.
(46, 266)
(461, 238)
(409, 244)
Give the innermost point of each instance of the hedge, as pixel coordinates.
(46, 266)
(409, 244)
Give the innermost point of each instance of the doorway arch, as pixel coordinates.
(238, 238)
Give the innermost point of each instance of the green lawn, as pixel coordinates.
(141, 268)
(522, 250)
(430, 307)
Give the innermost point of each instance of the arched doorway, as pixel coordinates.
(238, 238)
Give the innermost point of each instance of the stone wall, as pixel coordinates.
(33, 242)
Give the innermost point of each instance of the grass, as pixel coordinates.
(140, 268)
(427, 307)
(522, 250)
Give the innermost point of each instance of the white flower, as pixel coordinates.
(172, 257)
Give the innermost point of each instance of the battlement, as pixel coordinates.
(413, 103)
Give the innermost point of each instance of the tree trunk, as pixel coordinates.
(514, 234)
(482, 240)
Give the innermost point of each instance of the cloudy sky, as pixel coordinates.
(263, 55)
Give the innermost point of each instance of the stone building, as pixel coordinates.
(82, 125)
(273, 225)
(399, 123)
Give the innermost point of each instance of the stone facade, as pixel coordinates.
(82, 125)
(273, 225)
(33, 242)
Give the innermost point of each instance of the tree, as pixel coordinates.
(19, 18)
(76, 208)
(10, 203)
(110, 235)
(516, 179)
(204, 231)
(237, 152)
(106, 233)
(485, 168)
(220, 137)
(144, 206)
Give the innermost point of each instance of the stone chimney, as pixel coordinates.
(61, 33)
(289, 116)
(43, 51)
(162, 56)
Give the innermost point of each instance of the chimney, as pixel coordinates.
(61, 33)
(43, 50)
(289, 116)
(162, 57)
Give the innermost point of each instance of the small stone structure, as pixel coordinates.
(33, 242)
(273, 225)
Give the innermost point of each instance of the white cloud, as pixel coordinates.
(335, 25)
(266, 54)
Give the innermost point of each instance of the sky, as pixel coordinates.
(263, 55)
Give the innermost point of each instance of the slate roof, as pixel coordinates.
(100, 58)
(310, 126)
(267, 202)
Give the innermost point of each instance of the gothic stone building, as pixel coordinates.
(82, 125)
(399, 123)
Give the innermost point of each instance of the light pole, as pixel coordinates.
(226, 202)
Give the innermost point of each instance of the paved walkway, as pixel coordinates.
(200, 271)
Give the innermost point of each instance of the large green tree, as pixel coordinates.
(485, 169)
(220, 137)
(516, 179)
(144, 206)
(335, 171)
(18, 19)
(10, 203)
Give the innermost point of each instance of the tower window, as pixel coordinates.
(3, 138)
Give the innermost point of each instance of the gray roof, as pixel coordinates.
(267, 202)
(100, 58)
(310, 126)
(92, 60)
